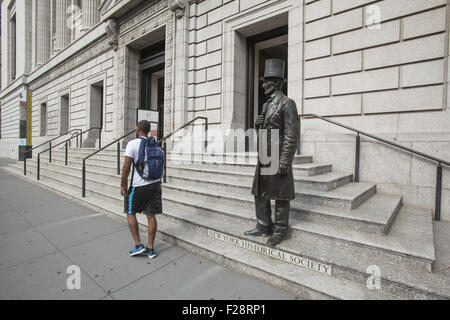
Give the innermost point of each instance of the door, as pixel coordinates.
(96, 105)
(152, 85)
(272, 44)
(276, 48)
(64, 114)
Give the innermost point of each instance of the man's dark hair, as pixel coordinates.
(144, 125)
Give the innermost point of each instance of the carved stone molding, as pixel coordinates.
(141, 25)
(143, 15)
(91, 53)
(178, 7)
(112, 30)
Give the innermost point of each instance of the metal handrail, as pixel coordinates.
(99, 136)
(186, 125)
(440, 162)
(50, 145)
(83, 187)
(117, 141)
(66, 142)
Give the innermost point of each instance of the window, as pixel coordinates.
(43, 118)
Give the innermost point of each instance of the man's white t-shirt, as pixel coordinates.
(132, 151)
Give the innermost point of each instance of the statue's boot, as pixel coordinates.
(263, 215)
(257, 233)
(282, 208)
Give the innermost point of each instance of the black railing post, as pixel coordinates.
(65, 161)
(206, 135)
(83, 178)
(81, 140)
(99, 138)
(118, 157)
(24, 166)
(165, 162)
(39, 167)
(50, 153)
(299, 139)
(357, 157)
(437, 212)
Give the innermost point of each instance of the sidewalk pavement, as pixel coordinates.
(42, 234)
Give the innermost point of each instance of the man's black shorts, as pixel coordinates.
(145, 199)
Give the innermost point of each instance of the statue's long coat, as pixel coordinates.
(281, 114)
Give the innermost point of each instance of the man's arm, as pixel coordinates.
(125, 174)
(291, 124)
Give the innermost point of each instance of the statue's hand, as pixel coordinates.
(259, 121)
(284, 169)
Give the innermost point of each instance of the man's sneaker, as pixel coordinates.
(151, 253)
(137, 250)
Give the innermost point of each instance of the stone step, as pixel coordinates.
(243, 182)
(75, 158)
(249, 158)
(306, 170)
(106, 183)
(372, 245)
(375, 216)
(90, 163)
(345, 264)
(350, 196)
(109, 192)
(300, 281)
(74, 168)
(112, 150)
(205, 189)
(111, 155)
(92, 172)
(325, 181)
(400, 237)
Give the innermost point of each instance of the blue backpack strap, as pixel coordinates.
(141, 149)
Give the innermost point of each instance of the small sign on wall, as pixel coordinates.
(25, 124)
(154, 129)
(150, 116)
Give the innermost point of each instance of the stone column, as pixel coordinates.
(42, 31)
(91, 15)
(62, 31)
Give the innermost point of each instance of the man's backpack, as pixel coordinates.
(150, 164)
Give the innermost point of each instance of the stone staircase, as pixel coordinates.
(340, 229)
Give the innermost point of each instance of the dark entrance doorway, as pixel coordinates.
(152, 83)
(268, 45)
(64, 114)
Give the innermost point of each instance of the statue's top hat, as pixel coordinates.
(275, 68)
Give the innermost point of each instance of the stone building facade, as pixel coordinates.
(380, 66)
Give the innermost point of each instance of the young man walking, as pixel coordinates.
(144, 196)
